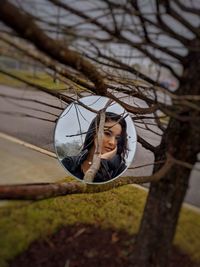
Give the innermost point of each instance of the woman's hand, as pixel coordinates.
(110, 154)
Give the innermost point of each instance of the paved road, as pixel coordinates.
(20, 164)
(41, 133)
(35, 131)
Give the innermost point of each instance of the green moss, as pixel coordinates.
(121, 208)
(6, 80)
(40, 78)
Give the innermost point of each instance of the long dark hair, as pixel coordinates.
(110, 116)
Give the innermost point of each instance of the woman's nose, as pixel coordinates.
(112, 141)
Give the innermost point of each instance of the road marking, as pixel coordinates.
(28, 145)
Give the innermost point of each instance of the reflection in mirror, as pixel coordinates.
(95, 139)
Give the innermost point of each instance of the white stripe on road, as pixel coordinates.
(28, 145)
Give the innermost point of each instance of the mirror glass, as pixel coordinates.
(95, 139)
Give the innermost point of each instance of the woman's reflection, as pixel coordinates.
(113, 150)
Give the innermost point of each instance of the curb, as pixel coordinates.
(28, 145)
(185, 205)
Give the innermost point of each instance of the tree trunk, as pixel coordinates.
(182, 140)
(160, 217)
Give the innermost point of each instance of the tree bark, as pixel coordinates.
(182, 141)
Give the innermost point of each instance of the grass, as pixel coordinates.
(40, 78)
(188, 233)
(23, 222)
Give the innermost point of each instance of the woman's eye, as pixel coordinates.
(107, 133)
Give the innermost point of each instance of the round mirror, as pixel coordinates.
(95, 139)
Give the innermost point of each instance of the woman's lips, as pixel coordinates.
(108, 149)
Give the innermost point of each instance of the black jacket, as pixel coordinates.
(108, 170)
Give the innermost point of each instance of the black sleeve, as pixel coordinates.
(117, 165)
(68, 163)
(109, 169)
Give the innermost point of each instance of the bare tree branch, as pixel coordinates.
(42, 191)
(91, 172)
(26, 28)
(169, 30)
(119, 36)
(56, 94)
(52, 64)
(187, 8)
(177, 16)
(24, 115)
(133, 109)
(148, 39)
(29, 100)
(146, 145)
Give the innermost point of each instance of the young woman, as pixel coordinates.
(113, 150)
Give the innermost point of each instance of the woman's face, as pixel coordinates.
(112, 133)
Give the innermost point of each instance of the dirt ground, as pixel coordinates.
(86, 245)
